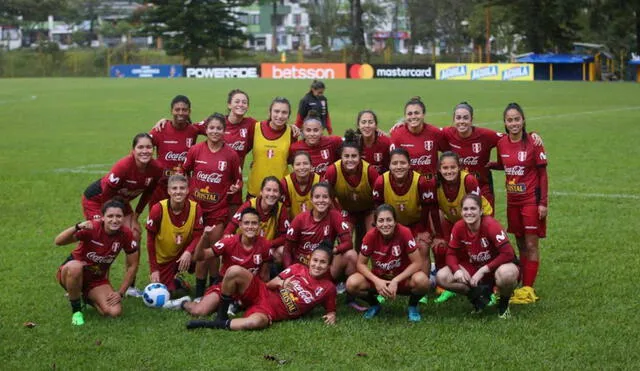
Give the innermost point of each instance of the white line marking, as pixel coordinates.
(598, 195)
(28, 99)
(560, 115)
(85, 169)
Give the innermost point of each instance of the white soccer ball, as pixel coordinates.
(155, 295)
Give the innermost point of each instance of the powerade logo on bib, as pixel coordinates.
(455, 71)
(516, 72)
(484, 72)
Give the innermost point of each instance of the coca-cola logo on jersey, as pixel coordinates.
(237, 145)
(388, 266)
(481, 257)
(176, 157)
(308, 246)
(94, 257)
(514, 170)
(321, 168)
(469, 160)
(422, 160)
(209, 178)
(301, 292)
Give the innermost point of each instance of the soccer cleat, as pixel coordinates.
(341, 288)
(199, 323)
(381, 299)
(77, 319)
(479, 297)
(198, 299)
(354, 304)
(503, 308)
(493, 300)
(233, 310)
(505, 315)
(133, 292)
(424, 300)
(445, 296)
(181, 282)
(176, 304)
(413, 314)
(372, 311)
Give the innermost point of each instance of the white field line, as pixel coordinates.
(572, 114)
(85, 169)
(27, 99)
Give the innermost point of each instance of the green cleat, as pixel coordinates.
(381, 299)
(77, 319)
(424, 300)
(494, 300)
(446, 295)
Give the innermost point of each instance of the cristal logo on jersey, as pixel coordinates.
(395, 250)
(325, 154)
(377, 157)
(428, 145)
(257, 259)
(522, 155)
(115, 246)
(326, 230)
(222, 165)
(243, 132)
(476, 147)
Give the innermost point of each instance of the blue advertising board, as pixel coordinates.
(146, 71)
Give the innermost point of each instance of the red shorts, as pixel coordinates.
(524, 220)
(159, 194)
(89, 280)
(259, 299)
(92, 210)
(403, 287)
(488, 278)
(235, 199)
(168, 273)
(214, 289)
(214, 217)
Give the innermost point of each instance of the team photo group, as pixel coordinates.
(368, 215)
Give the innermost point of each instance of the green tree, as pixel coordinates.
(195, 29)
(614, 23)
(325, 18)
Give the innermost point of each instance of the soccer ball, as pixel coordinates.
(155, 295)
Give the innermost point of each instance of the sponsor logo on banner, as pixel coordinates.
(223, 72)
(484, 71)
(146, 71)
(304, 70)
(392, 71)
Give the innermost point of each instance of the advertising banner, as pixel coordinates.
(484, 71)
(323, 71)
(146, 71)
(223, 72)
(391, 71)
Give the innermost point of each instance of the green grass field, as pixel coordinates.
(61, 134)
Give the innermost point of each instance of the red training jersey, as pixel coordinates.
(172, 145)
(305, 234)
(240, 136)
(422, 147)
(303, 292)
(388, 258)
(378, 153)
(234, 253)
(474, 151)
(322, 154)
(525, 171)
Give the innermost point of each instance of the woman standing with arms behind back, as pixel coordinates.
(315, 100)
(525, 167)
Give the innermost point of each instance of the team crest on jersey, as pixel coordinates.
(377, 157)
(257, 259)
(395, 250)
(222, 165)
(303, 207)
(147, 181)
(476, 147)
(326, 230)
(319, 291)
(522, 155)
(484, 242)
(428, 145)
(270, 153)
(401, 207)
(189, 142)
(115, 246)
(243, 132)
(325, 154)
(179, 239)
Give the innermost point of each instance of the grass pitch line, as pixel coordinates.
(85, 169)
(598, 195)
(28, 99)
(571, 114)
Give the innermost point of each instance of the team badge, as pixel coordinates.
(476, 147)
(522, 155)
(401, 207)
(147, 181)
(428, 145)
(484, 243)
(395, 250)
(257, 259)
(243, 132)
(326, 230)
(189, 142)
(222, 165)
(319, 291)
(303, 207)
(325, 154)
(377, 157)
(115, 246)
(179, 239)
(270, 153)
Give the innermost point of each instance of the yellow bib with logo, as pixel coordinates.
(358, 198)
(269, 227)
(408, 207)
(170, 240)
(453, 209)
(269, 158)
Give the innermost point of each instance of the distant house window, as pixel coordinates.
(297, 19)
(254, 19)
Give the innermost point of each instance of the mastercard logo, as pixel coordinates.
(361, 71)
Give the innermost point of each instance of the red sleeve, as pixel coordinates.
(343, 230)
(114, 181)
(471, 185)
(378, 191)
(331, 175)
(282, 227)
(368, 244)
(372, 176)
(83, 234)
(238, 175)
(130, 245)
(153, 226)
(198, 228)
(291, 241)
(330, 301)
(500, 240)
(286, 199)
(155, 136)
(220, 247)
(299, 120)
(443, 144)
(407, 236)
(201, 127)
(329, 127)
(543, 186)
(452, 251)
(234, 223)
(289, 271)
(491, 137)
(189, 161)
(430, 208)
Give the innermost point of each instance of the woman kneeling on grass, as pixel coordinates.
(479, 257)
(85, 272)
(395, 265)
(296, 291)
